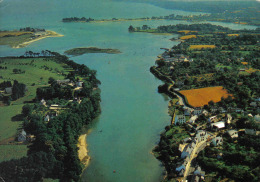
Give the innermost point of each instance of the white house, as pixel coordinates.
(229, 118)
(186, 152)
(47, 118)
(197, 111)
(201, 135)
(217, 141)
(193, 119)
(79, 84)
(43, 102)
(218, 125)
(179, 119)
(187, 111)
(232, 133)
(198, 171)
(212, 119)
(22, 136)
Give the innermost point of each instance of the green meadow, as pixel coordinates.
(9, 152)
(34, 73)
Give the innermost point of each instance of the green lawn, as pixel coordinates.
(9, 152)
(222, 66)
(15, 40)
(38, 72)
(50, 180)
(8, 128)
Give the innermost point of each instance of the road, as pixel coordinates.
(181, 101)
(199, 147)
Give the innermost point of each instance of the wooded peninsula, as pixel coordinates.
(53, 106)
(25, 36)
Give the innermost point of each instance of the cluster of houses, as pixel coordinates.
(168, 57)
(216, 123)
(193, 113)
(53, 108)
(78, 84)
(187, 148)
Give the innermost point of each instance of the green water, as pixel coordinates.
(133, 113)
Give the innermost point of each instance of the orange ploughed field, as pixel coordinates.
(202, 47)
(201, 97)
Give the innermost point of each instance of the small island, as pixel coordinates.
(24, 36)
(85, 50)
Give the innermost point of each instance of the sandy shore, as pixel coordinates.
(49, 34)
(83, 151)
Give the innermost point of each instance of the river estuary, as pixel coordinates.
(133, 113)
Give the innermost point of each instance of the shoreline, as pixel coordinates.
(49, 34)
(117, 20)
(83, 151)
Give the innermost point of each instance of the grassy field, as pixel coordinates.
(201, 97)
(13, 33)
(8, 128)
(223, 66)
(37, 70)
(15, 40)
(9, 152)
(208, 76)
(202, 47)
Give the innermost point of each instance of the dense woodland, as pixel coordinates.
(54, 153)
(75, 19)
(18, 90)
